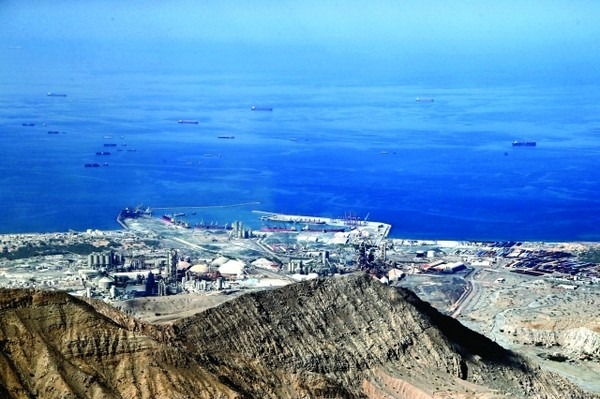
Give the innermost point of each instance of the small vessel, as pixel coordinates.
(255, 108)
(226, 137)
(51, 94)
(187, 122)
(109, 145)
(517, 143)
(91, 165)
(108, 137)
(53, 132)
(424, 99)
(102, 153)
(179, 214)
(28, 124)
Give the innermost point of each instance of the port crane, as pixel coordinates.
(366, 218)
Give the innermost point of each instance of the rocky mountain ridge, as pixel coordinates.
(346, 337)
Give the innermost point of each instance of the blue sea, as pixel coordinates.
(334, 144)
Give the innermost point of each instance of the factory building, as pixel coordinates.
(450, 267)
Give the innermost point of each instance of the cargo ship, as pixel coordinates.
(279, 229)
(212, 226)
(292, 219)
(133, 213)
(171, 220)
(187, 122)
(226, 137)
(324, 230)
(255, 108)
(524, 143)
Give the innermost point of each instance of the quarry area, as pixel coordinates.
(540, 299)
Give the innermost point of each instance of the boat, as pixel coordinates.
(212, 226)
(168, 218)
(226, 137)
(28, 124)
(255, 108)
(102, 153)
(187, 122)
(53, 132)
(179, 214)
(91, 165)
(110, 145)
(524, 143)
(324, 230)
(51, 94)
(133, 213)
(279, 229)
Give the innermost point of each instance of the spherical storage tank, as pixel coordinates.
(105, 283)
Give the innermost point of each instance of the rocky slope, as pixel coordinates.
(337, 338)
(572, 340)
(56, 346)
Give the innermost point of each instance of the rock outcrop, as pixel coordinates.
(346, 337)
(567, 338)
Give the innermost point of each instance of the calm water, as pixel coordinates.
(443, 170)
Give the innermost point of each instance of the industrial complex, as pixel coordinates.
(165, 255)
(162, 267)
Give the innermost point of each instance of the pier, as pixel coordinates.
(377, 231)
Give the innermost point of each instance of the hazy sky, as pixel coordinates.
(560, 32)
(427, 22)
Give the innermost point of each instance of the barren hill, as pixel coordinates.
(346, 337)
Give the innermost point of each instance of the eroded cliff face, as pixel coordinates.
(336, 333)
(338, 338)
(570, 339)
(56, 346)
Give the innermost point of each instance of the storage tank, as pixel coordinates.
(105, 283)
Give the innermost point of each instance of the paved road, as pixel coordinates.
(470, 297)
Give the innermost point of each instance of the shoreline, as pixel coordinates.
(336, 222)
